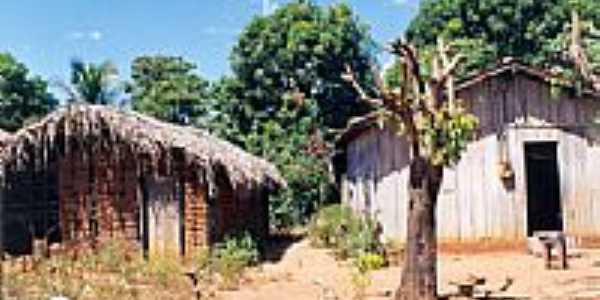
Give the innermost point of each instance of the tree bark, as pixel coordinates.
(419, 275)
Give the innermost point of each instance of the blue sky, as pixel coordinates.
(46, 34)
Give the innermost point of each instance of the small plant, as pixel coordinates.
(358, 239)
(164, 268)
(369, 262)
(111, 256)
(363, 265)
(360, 283)
(325, 228)
(337, 227)
(231, 257)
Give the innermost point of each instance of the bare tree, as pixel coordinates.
(424, 110)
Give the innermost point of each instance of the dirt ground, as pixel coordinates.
(303, 272)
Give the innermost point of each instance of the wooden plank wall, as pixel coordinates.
(474, 204)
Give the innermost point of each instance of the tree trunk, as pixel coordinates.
(419, 274)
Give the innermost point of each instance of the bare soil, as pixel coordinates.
(303, 272)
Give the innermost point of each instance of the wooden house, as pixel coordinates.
(534, 166)
(87, 174)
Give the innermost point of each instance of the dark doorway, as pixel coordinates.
(543, 191)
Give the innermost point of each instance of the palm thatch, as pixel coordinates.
(145, 136)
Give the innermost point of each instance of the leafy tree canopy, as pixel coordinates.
(167, 87)
(523, 29)
(23, 98)
(289, 94)
(300, 50)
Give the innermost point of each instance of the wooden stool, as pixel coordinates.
(553, 240)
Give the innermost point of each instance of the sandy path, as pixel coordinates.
(293, 276)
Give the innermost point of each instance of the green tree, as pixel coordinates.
(93, 83)
(288, 64)
(167, 87)
(523, 29)
(23, 98)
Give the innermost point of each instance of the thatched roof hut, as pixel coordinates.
(90, 173)
(146, 135)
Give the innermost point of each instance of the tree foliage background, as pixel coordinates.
(23, 98)
(167, 88)
(490, 30)
(291, 97)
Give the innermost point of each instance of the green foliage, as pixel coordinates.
(448, 135)
(325, 226)
(23, 98)
(303, 48)
(166, 87)
(523, 29)
(163, 268)
(290, 95)
(94, 84)
(367, 262)
(231, 257)
(337, 227)
(363, 265)
(222, 112)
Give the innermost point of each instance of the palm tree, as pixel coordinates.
(93, 83)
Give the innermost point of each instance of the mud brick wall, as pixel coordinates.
(98, 196)
(242, 209)
(196, 212)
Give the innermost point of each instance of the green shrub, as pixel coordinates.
(231, 257)
(325, 227)
(337, 227)
(367, 262)
(359, 238)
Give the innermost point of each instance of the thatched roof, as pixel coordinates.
(146, 136)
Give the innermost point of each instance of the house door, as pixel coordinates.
(164, 217)
(543, 191)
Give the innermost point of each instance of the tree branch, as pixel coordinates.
(404, 50)
(349, 77)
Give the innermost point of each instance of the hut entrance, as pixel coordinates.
(543, 192)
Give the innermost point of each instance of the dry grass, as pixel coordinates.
(111, 273)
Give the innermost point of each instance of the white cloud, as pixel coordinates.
(96, 35)
(93, 35)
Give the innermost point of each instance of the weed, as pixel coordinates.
(231, 257)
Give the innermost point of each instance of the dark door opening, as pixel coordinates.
(543, 191)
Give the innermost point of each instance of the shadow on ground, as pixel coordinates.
(278, 244)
